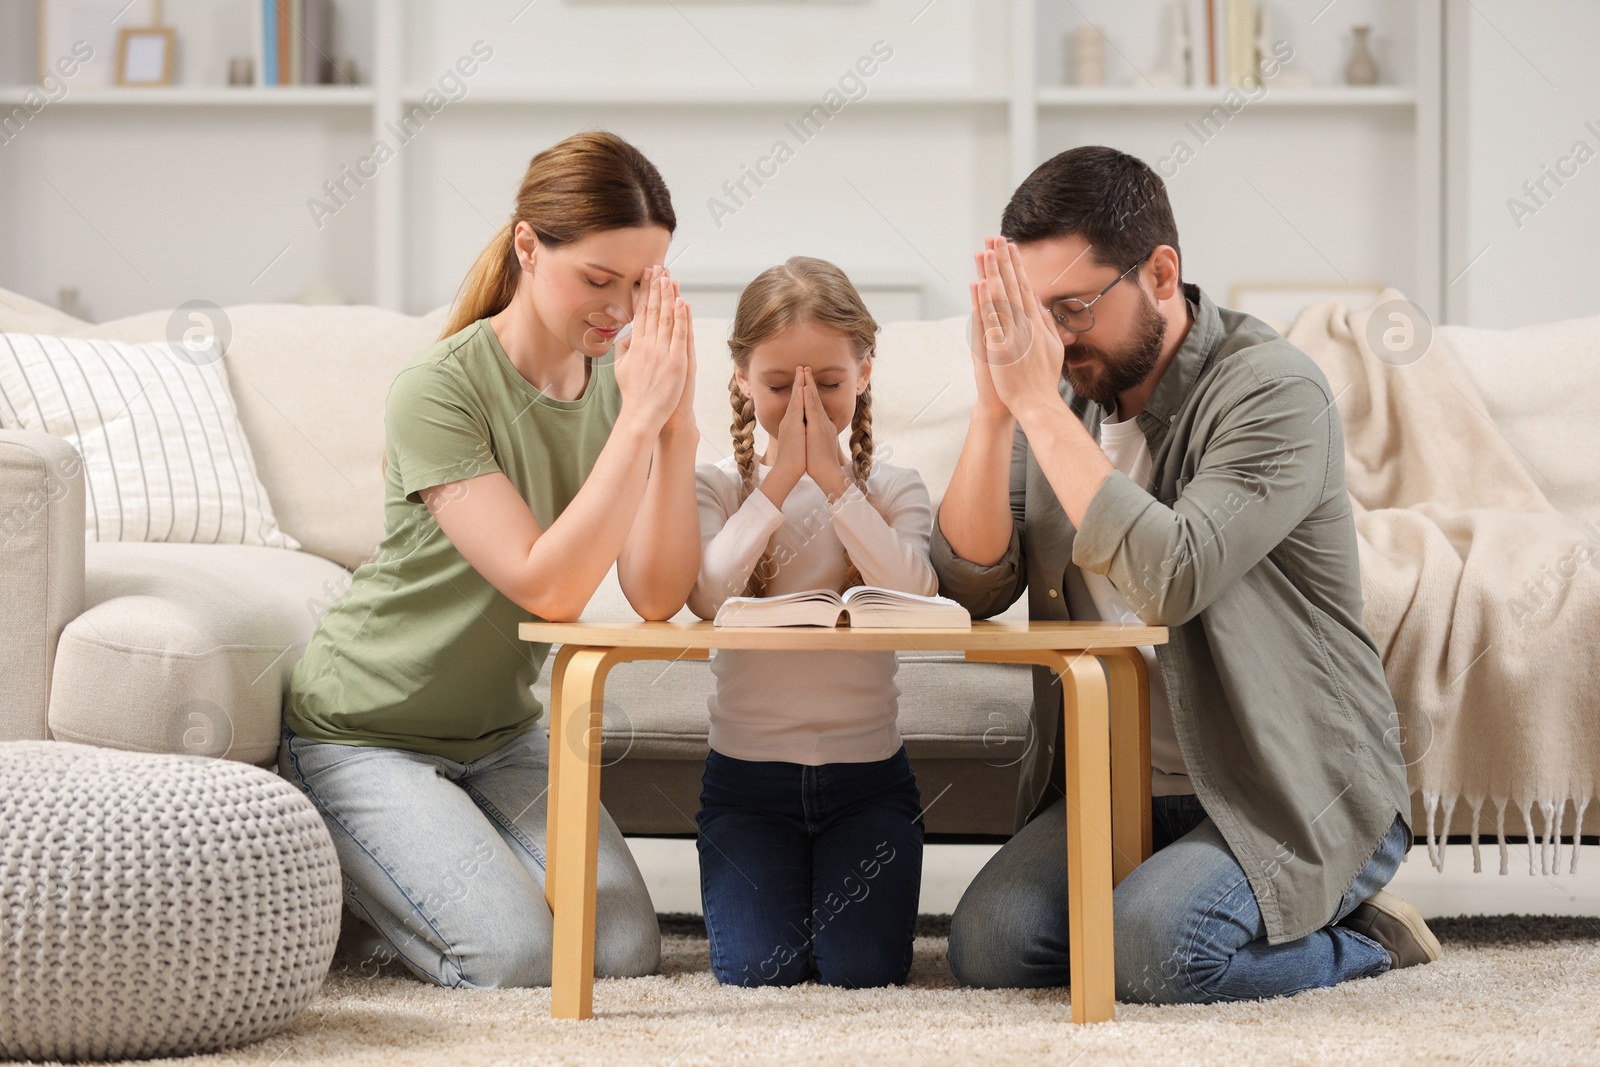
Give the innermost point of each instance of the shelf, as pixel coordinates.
(1050, 97)
(220, 96)
(728, 96)
(1070, 96)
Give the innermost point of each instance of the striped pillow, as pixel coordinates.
(164, 456)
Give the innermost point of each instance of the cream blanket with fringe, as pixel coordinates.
(1484, 600)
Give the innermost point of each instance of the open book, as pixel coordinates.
(866, 606)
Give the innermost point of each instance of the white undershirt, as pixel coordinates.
(1092, 596)
(808, 707)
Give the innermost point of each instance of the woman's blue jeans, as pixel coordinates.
(810, 871)
(1188, 930)
(446, 860)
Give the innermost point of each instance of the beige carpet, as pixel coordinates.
(1509, 990)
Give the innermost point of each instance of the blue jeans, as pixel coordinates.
(446, 860)
(1188, 930)
(810, 871)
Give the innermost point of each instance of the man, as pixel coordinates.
(1138, 454)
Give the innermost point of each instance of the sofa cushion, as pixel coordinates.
(311, 384)
(948, 708)
(1537, 385)
(187, 648)
(21, 314)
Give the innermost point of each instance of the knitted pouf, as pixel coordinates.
(155, 905)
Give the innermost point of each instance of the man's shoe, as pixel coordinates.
(1397, 925)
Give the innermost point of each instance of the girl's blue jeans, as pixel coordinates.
(810, 871)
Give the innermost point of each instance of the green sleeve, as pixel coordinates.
(986, 591)
(1264, 469)
(437, 432)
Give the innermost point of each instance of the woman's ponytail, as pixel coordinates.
(488, 286)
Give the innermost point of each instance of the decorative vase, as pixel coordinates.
(1362, 68)
(1088, 56)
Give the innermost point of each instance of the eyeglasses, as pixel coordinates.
(1073, 314)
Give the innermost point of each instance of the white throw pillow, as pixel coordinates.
(164, 457)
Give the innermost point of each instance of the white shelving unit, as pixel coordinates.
(1057, 96)
(189, 96)
(715, 97)
(1008, 98)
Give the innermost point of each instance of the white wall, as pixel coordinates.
(1324, 198)
(1524, 89)
(898, 190)
(143, 209)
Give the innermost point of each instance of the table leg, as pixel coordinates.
(558, 672)
(1131, 836)
(572, 829)
(1089, 871)
(572, 836)
(1087, 751)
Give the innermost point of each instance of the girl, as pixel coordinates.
(810, 820)
(516, 474)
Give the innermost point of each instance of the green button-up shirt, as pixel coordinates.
(1244, 545)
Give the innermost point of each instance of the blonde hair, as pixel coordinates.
(801, 289)
(587, 183)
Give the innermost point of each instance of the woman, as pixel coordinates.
(520, 465)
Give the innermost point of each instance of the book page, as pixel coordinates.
(809, 607)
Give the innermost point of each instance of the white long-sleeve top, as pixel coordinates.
(808, 707)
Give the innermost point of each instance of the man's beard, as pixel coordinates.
(1107, 375)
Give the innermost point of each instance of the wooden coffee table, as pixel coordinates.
(1106, 747)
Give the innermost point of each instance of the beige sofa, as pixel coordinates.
(188, 648)
(185, 648)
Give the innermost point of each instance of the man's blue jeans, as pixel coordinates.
(446, 860)
(810, 871)
(1188, 930)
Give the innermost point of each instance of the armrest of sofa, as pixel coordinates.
(41, 571)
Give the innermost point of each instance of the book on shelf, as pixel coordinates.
(286, 25)
(316, 47)
(295, 42)
(1211, 42)
(860, 606)
(267, 60)
(1239, 40)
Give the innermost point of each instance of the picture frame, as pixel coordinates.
(65, 23)
(144, 55)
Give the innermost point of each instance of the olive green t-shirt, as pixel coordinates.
(421, 652)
